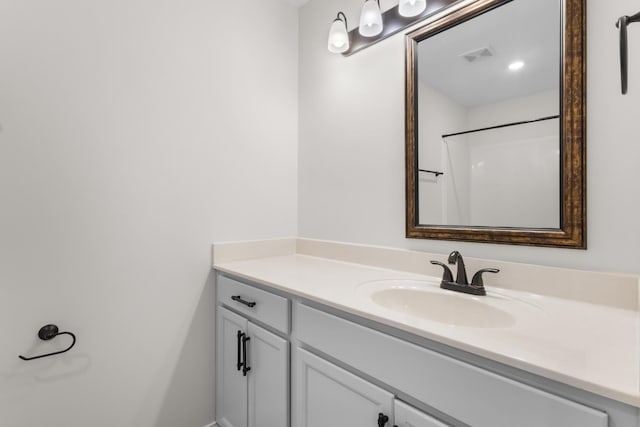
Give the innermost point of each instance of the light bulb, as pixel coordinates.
(338, 35)
(515, 66)
(410, 8)
(370, 19)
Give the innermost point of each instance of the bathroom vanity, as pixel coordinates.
(306, 341)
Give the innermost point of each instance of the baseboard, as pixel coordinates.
(213, 424)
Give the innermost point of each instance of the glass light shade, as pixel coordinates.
(370, 19)
(410, 8)
(338, 37)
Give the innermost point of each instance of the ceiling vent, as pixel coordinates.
(477, 54)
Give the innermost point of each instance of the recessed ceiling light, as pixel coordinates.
(515, 66)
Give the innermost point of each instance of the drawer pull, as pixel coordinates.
(238, 298)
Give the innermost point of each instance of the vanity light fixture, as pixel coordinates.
(339, 35)
(516, 65)
(409, 8)
(370, 19)
(376, 25)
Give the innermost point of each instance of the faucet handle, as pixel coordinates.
(476, 281)
(447, 276)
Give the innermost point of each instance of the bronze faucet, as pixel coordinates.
(461, 283)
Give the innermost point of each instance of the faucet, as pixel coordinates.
(455, 257)
(461, 284)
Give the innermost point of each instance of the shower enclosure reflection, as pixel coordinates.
(472, 189)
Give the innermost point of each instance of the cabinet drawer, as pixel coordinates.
(463, 391)
(263, 306)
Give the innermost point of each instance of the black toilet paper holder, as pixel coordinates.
(49, 332)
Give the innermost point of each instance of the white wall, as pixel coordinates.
(442, 199)
(351, 167)
(133, 134)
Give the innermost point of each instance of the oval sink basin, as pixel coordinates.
(423, 299)
(444, 308)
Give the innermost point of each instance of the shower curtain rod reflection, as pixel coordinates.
(502, 126)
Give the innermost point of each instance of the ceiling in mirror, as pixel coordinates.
(470, 62)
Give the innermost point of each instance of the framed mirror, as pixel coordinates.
(495, 124)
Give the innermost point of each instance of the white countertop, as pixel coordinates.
(589, 346)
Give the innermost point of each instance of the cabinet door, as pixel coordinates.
(327, 395)
(231, 385)
(408, 416)
(268, 358)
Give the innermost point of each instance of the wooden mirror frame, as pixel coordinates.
(573, 214)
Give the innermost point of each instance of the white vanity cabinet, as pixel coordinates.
(252, 370)
(326, 395)
(466, 393)
(344, 371)
(231, 384)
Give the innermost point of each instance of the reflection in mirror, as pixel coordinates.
(495, 146)
(501, 68)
